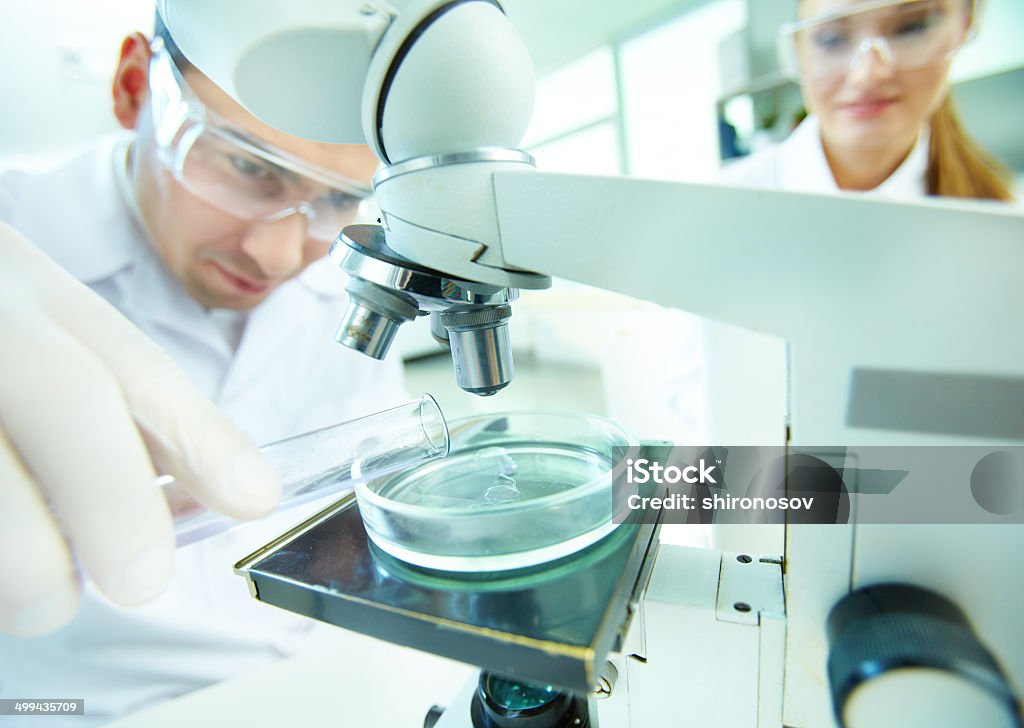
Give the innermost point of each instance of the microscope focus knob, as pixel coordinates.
(901, 655)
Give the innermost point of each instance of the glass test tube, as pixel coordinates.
(325, 461)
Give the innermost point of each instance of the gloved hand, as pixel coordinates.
(89, 406)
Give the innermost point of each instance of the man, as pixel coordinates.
(208, 230)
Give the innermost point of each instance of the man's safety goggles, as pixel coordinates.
(906, 35)
(237, 173)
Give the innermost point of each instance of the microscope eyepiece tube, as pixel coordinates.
(481, 347)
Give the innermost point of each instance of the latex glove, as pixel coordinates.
(88, 407)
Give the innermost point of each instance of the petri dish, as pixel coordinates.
(517, 489)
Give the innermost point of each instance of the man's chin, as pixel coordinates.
(236, 302)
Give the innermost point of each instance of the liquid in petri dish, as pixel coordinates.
(493, 476)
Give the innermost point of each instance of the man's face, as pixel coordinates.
(221, 259)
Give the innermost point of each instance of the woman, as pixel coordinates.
(875, 79)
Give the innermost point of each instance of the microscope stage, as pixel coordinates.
(553, 623)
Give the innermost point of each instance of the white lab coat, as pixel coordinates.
(798, 164)
(287, 376)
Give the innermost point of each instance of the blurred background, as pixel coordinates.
(633, 88)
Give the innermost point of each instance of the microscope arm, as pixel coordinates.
(713, 250)
(855, 285)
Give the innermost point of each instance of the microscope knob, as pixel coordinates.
(901, 655)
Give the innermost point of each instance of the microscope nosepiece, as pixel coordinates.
(386, 290)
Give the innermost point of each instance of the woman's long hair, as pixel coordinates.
(957, 165)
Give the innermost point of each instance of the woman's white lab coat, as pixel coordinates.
(798, 164)
(287, 376)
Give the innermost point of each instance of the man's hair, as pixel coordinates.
(160, 31)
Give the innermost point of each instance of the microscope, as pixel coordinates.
(903, 327)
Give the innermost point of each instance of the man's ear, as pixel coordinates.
(131, 79)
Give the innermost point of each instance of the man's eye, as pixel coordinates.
(342, 200)
(249, 168)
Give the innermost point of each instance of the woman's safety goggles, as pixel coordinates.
(905, 34)
(237, 173)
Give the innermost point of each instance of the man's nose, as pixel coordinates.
(277, 246)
